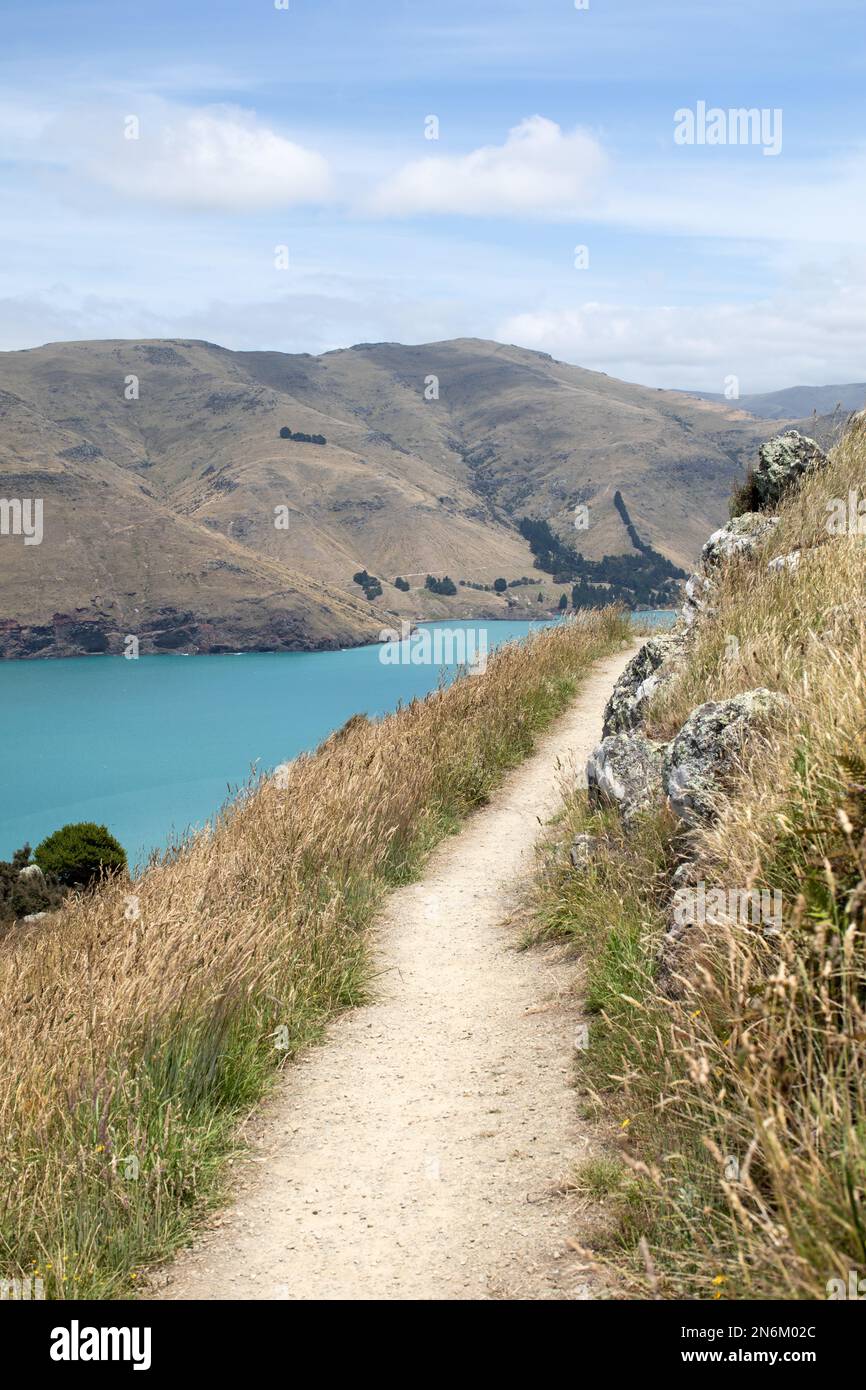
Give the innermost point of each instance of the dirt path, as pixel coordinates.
(416, 1154)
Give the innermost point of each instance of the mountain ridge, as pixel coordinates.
(166, 498)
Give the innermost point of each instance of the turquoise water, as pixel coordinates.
(154, 746)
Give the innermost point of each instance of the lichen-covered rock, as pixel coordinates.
(741, 537)
(583, 847)
(699, 760)
(697, 589)
(625, 770)
(648, 669)
(782, 460)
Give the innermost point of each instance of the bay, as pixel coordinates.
(154, 746)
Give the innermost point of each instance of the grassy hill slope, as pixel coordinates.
(161, 465)
(731, 1094)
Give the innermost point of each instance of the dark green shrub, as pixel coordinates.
(401, 584)
(500, 585)
(78, 854)
(369, 583)
(300, 437)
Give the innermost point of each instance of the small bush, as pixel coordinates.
(744, 497)
(20, 897)
(369, 583)
(79, 854)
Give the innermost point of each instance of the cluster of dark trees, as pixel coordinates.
(299, 438)
(402, 584)
(73, 857)
(369, 583)
(445, 586)
(645, 578)
(619, 503)
(491, 588)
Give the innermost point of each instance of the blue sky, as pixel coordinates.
(304, 127)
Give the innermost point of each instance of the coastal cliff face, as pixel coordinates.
(168, 630)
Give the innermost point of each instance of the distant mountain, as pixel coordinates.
(798, 402)
(205, 499)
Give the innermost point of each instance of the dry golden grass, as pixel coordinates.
(744, 1103)
(147, 1017)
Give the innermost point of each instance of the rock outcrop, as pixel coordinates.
(700, 759)
(645, 673)
(697, 588)
(782, 461)
(625, 771)
(738, 539)
(695, 771)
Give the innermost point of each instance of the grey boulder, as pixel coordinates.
(740, 537)
(583, 848)
(625, 770)
(648, 669)
(783, 460)
(699, 760)
(697, 589)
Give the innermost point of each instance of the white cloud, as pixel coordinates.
(217, 158)
(538, 171)
(814, 332)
